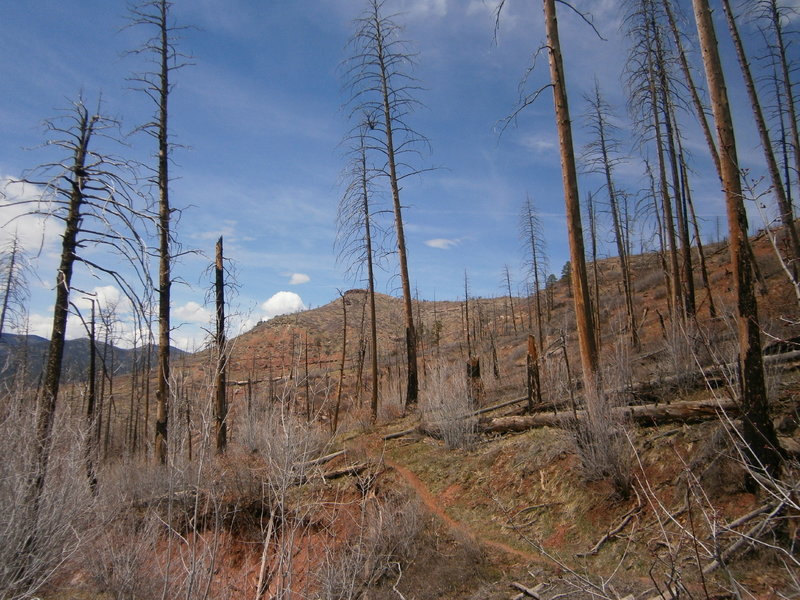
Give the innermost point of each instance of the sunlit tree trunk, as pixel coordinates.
(583, 310)
(758, 431)
(784, 206)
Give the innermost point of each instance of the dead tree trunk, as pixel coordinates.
(784, 206)
(533, 387)
(339, 387)
(220, 403)
(583, 313)
(758, 431)
(85, 125)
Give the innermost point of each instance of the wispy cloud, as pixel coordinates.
(540, 143)
(424, 8)
(442, 243)
(299, 278)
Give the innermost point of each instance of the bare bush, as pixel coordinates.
(391, 403)
(39, 533)
(446, 405)
(385, 538)
(121, 558)
(601, 442)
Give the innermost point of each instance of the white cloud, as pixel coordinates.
(442, 243)
(34, 231)
(282, 303)
(192, 312)
(106, 296)
(299, 278)
(42, 325)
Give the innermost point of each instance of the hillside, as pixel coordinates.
(276, 350)
(436, 502)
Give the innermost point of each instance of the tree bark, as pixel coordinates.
(164, 257)
(220, 404)
(583, 311)
(52, 374)
(758, 431)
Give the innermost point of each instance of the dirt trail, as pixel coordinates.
(432, 503)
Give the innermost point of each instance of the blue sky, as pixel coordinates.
(259, 119)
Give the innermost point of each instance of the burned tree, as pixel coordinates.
(220, 398)
(90, 192)
(779, 187)
(603, 156)
(533, 241)
(382, 91)
(583, 310)
(355, 239)
(14, 285)
(161, 50)
(758, 432)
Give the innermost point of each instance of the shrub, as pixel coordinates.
(39, 532)
(602, 445)
(446, 405)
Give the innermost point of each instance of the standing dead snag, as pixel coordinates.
(161, 48)
(783, 201)
(220, 404)
(533, 240)
(602, 159)
(335, 423)
(532, 368)
(382, 93)
(355, 234)
(14, 265)
(91, 193)
(758, 432)
(583, 309)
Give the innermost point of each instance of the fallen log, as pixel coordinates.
(322, 459)
(354, 469)
(713, 376)
(425, 429)
(643, 415)
(526, 591)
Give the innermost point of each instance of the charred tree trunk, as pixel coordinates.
(666, 201)
(220, 403)
(339, 387)
(758, 431)
(533, 387)
(52, 373)
(159, 91)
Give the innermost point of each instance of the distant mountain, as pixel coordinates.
(30, 352)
